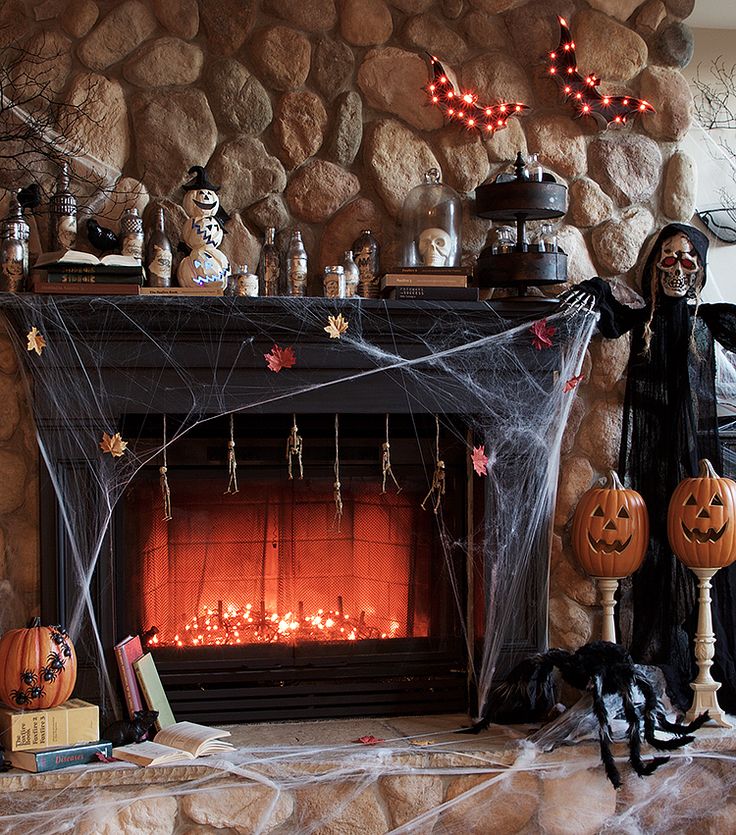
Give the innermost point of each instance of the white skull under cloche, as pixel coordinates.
(201, 202)
(678, 267)
(434, 247)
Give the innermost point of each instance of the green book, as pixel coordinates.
(52, 759)
(153, 691)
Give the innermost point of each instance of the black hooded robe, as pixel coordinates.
(669, 423)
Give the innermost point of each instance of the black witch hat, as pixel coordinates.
(201, 180)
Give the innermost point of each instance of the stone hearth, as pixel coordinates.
(309, 777)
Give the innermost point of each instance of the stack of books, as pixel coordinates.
(72, 272)
(430, 283)
(141, 683)
(47, 740)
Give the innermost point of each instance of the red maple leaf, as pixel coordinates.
(572, 383)
(543, 334)
(368, 740)
(280, 358)
(480, 460)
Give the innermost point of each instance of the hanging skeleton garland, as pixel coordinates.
(337, 487)
(386, 470)
(164, 481)
(232, 464)
(294, 447)
(437, 490)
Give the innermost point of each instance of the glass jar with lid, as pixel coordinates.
(431, 225)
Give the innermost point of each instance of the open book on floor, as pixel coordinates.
(181, 741)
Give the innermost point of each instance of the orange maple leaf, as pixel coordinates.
(368, 740)
(337, 326)
(114, 444)
(542, 334)
(36, 340)
(572, 383)
(279, 358)
(480, 460)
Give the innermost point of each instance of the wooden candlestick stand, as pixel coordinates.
(608, 586)
(705, 687)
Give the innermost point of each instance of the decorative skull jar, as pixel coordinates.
(430, 225)
(434, 247)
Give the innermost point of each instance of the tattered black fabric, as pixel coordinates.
(669, 423)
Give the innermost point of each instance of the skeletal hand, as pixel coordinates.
(577, 300)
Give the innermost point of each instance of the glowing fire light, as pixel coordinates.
(231, 625)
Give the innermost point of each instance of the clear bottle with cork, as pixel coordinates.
(131, 234)
(352, 275)
(368, 258)
(63, 214)
(159, 254)
(269, 268)
(296, 266)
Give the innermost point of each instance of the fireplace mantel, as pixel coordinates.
(150, 357)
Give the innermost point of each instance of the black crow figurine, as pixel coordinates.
(30, 196)
(101, 237)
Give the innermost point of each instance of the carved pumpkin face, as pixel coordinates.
(199, 232)
(201, 202)
(610, 530)
(701, 520)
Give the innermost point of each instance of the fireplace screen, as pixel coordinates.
(271, 564)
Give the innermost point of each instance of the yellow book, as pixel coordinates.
(69, 724)
(153, 691)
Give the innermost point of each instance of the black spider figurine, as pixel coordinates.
(126, 732)
(605, 669)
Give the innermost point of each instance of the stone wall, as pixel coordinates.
(311, 115)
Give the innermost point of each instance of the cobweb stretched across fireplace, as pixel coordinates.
(270, 565)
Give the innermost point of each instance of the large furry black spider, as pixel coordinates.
(604, 669)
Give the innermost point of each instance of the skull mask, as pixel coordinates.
(434, 247)
(678, 267)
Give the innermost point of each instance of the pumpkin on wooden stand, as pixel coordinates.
(701, 519)
(610, 530)
(38, 667)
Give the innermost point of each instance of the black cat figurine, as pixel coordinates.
(127, 731)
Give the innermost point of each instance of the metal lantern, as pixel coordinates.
(430, 225)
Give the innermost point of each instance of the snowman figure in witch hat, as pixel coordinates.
(202, 234)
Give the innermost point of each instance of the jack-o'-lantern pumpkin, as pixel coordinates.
(38, 667)
(201, 202)
(701, 519)
(610, 530)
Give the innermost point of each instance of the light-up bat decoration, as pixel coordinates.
(583, 90)
(464, 107)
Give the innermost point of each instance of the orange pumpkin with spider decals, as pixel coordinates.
(38, 667)
(610, 530)
(701, 519)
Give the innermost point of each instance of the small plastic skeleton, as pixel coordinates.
(294, 448)
(437, 490)
(386, 470)
(336, 492)
(232, 464)
(165, 493)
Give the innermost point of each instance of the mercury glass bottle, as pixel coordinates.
(131, 233)
(269, 269)
(352, 275)
(63, 214)
(14, 250)
(158, 254)
(296, 266)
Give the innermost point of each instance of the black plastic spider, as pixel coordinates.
(61, 632)
(36, 692)
(28, 677)
(55, 661)
(605, 669)
(47, 674)
(20, 697)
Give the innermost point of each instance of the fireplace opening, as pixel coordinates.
(267, 603)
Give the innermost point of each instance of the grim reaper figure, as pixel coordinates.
(669, 423)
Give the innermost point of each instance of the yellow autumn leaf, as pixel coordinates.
(36, 341)
(337, 326)
(113, 444)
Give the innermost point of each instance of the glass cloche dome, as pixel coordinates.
(430, 225)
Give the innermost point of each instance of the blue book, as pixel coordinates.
(52, 759)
